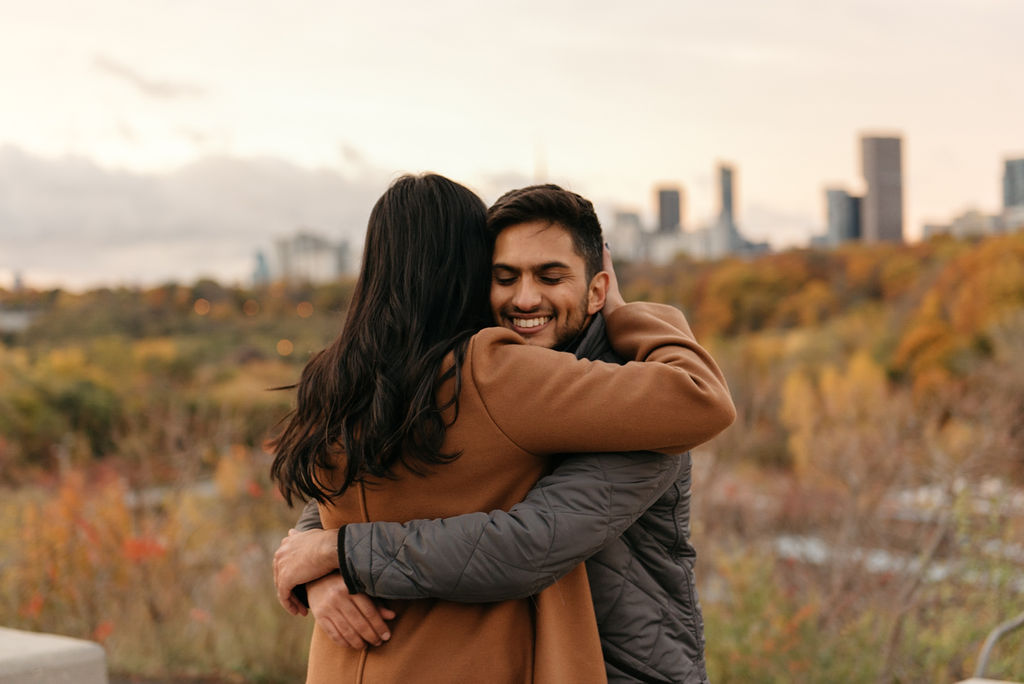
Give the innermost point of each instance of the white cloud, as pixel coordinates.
(158, 89)
(71, 220)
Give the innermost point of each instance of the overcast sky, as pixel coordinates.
(146, 140)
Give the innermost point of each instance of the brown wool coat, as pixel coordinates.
(520, 404)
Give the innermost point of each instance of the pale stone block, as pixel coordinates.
(31, 658)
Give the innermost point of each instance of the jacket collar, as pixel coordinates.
(591, 342)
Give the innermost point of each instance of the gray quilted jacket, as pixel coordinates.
(627, 515)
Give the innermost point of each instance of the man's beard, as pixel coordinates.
(566, 339)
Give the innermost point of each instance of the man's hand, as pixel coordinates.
(613, 300)
(348, 619)
(303, 557)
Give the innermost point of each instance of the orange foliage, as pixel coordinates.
(139, 549)
(973, 291)
(103, 631)
(33, 607)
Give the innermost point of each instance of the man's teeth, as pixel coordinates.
(530, 322)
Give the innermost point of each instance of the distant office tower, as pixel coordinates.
(669, 210)
(724, 237)
(725, 215)
(311, 258)
(882, 208)
(626, 236)
(843, 216)
(261, 272)
(973, 223)
(1013, 183)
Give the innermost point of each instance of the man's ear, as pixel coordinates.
(596, 293)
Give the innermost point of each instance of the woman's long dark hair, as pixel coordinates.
(372, 394)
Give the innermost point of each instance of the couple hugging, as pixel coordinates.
(494, 454)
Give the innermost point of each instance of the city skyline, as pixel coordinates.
(125, 126)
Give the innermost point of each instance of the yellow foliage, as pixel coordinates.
(957, 437)
(70, 363)
(932, 381)
(764, 351)
(235, 473)
(924, 346)
(158, 348)
(811, 305)
(251, 386)
(853, 397)
(714, 317)
(66, 361)
(898, 275)
(831, 421)
(860, 269)
(799, 414)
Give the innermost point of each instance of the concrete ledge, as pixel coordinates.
(31, 658)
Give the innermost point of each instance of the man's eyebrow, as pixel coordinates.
(547, 266)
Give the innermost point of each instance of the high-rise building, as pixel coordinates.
(626, 236)
(725, 214)
(973, 223)
(311, 258)
(844, 221)
(882, 208)
(721, 236)
(1013, 183)
(725, 237)
(261, 272)
(669, 210)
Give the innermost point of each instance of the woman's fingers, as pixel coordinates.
(352, 612)
(341, 632)
(372, 614)
(353, 620)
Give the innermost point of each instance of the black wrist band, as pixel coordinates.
(350, 583)
(299, 592)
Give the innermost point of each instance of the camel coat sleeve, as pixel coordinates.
(544, 403)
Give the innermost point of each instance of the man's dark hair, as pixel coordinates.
(555, 205)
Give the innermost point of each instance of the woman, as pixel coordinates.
(412, 413)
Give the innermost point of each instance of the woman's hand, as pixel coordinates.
(348, 619)
(613, 300)
(303, 557)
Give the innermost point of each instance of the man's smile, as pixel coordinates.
(529, 323)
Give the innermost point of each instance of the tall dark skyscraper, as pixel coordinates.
(669, 210)
(1013, 183)
(882, 207)
(725, 215)
(844, 220)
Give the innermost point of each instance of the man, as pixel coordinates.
(627, 515)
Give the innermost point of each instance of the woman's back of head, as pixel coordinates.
(426, 260)
(422, 291)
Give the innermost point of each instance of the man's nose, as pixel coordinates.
(527, 296)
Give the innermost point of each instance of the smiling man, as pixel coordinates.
(626, 515)
(541, 288)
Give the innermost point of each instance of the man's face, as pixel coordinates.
(539, 285)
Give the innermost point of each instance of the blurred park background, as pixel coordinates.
(183, 190)
(864, 517)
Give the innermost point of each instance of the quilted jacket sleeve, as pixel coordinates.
(568, 516)
(309, 519)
